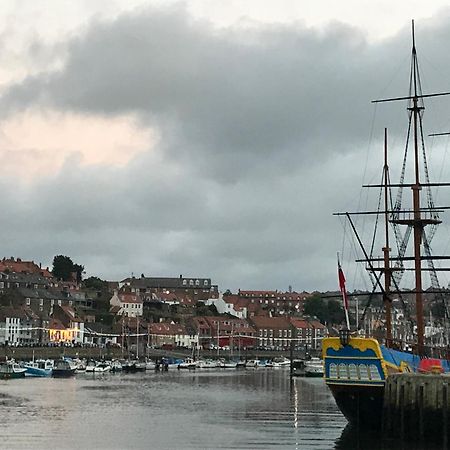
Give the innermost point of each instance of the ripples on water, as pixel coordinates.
(252, 409)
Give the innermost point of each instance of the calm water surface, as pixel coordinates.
(250, 409)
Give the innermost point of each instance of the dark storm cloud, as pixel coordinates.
(264, 134)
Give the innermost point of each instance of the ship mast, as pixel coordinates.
(417, 224)
(386, 249)
(416, 221)
(415, 218)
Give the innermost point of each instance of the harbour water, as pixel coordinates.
(249, 409)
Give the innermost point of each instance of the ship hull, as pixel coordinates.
(362, 406)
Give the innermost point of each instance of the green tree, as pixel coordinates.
(95, 283)
(329, 311)
(315, 306)
(64, 268)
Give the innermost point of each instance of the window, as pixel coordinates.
(197, 282)
(352, 371)
(205, 282)
(28, 300)
(52, 302)
(41, 302)
(333, 371)
(59, 302)
(191, 282)
(342, 371)
(184, 282)
(363, 372)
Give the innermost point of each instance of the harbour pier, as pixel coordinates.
(416, 407)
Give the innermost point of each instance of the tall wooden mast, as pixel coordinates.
(417, 223)
(386, 249)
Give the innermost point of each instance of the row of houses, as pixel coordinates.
(258, 332)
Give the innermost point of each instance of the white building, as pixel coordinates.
(130, 304)
(224, 307)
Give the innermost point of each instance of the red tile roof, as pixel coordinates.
(19, 266)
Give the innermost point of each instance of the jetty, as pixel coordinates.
(416, 407)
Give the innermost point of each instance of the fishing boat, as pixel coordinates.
(39, 368)
(63, 369)
(10, 369)
(357, 364)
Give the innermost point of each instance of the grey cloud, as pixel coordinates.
(264, 133)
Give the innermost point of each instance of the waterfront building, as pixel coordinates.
(171, 334)
(70, 320)
(224, 331)
(274, 333)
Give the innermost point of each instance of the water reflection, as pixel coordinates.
(353, 439)
(217, 409)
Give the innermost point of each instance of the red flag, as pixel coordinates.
(342, 287)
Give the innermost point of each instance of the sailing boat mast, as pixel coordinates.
(386, 249)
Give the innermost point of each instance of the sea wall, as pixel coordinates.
(416, 407)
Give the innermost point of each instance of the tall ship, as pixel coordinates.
(358, 362)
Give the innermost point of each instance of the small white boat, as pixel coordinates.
(206, 364)
(228, 364)
(188, 363)
(314, 368)
(80, 365)
(254, 363)
(102, 367)
(90, 366)
(278, 362)
(116, 366)
(150, 365)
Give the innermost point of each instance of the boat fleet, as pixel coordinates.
(67, 367)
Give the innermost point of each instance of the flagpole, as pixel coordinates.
(341, 278)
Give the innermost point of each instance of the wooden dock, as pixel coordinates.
(416, 407)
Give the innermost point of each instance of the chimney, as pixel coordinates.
(181, 276)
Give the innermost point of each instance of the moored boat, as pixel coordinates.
(313, 367)
(63, 369)
(39, 368)
(10, 369)
(102, 367)
(133, 366)
(188, 363)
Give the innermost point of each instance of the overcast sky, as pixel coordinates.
(206, 138)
